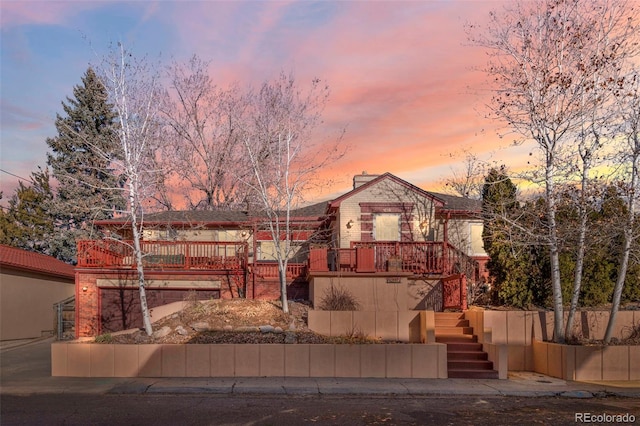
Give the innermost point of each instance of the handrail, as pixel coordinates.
(419, 257)
(270, 270)
(217, 255)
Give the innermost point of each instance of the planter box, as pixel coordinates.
(71, 359)
(394, 264)
(573, 362)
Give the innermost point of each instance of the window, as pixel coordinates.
(386, 227)
(477, 244)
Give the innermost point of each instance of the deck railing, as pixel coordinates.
(269, 270)
(214, 255)
(416, 257)
(421, 258)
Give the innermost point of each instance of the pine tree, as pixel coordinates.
(27, 223)
(81, 156)
(510, 262)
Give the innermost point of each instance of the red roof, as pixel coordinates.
(35, 262)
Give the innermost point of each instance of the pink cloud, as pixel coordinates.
(15, 13)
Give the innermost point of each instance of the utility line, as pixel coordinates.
(14, 175)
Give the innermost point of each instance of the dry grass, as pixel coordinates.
(237, 321)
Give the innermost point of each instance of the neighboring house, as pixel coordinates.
(30, 285)
(385, 228)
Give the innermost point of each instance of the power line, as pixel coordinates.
(15, 175)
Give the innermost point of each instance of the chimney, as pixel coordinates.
(361, 179)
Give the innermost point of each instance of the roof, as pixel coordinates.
(34, 262)
(372, 182)
(311, 211)
(182, 217)
(219, 217)
(454, 202)
(444, 202)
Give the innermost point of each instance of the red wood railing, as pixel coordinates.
(378, 256)
(212, 255)
(416, 257)
(269, 270)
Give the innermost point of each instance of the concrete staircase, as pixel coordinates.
(465, 357)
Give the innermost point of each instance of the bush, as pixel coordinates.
(338, 299)
(104, 338)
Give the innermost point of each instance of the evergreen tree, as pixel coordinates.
(513, 265)
(27, 223)
(81, 158)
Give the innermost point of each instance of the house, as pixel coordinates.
(30, 284)
(384, 229)
(425, 244)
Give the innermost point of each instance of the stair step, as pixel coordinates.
(449, 315)
(467, 355)
(451, 322)
(463, 347)
(469, 364)
(441, 331)
(456, 338)
(472, 374)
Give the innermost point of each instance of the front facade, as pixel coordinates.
(384, 222)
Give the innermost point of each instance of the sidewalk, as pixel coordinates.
(25, 369)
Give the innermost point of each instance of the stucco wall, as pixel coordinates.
(265, 360)
(380, 292)
(26, 303)
(519, 329)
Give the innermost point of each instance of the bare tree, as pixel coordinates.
(135, 92)
(628, 98)
(544, 57)
(204, 123)
(284, 159)
(467, 181)
(609, 44)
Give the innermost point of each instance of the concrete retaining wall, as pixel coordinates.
(382, 291)
(572, 362)
(261, 360)
(519, 331)
(397, 326)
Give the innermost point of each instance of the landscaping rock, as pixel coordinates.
(181, 330)
(266, 328)
(278, 330)
(200, 326)
(140, 338)
(163, 332)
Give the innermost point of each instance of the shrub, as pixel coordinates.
(104, 338)
(338, 299)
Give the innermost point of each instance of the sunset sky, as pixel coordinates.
(401, 74)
